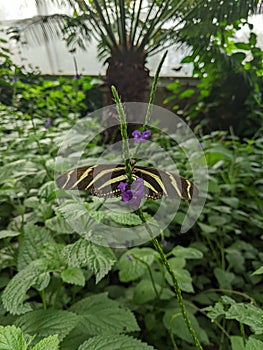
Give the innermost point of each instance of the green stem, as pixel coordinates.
(151, 100)
(177, 289)
(150, 273)
(124, 135)
(42, 293)
(242, 331)
(153, 91)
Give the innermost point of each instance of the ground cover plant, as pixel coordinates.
(59, 290)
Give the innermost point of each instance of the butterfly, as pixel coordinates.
(102, 180)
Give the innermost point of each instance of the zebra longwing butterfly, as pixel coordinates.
(102, 180)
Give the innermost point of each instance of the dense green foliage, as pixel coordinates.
(59, 290)
(229, 91)
(35, 96)
(56, 282)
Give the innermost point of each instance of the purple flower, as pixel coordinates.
(48, 122)
(141, 137)
(165, 243)
(15, 79)
(77, 76)
(122, 186)
(134, 195)
(146, 134)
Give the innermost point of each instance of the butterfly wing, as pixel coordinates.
(100, 180)
(161, 183)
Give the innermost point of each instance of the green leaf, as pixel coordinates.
(187, 59)
(49, 343)
(11, 338)
(254, 344)
(247, 314)
(97, 258)
(73, 275)
(215, 311)
(118, 342)
(206, 228)
(127, 219)
(231, 201)
(32, 243)
(15, 292)
(187, 93)
(99, 314)
(76, 214)
(173, 321)
(224, 278)
(144, 292)
(237, 343)
(259, 271)
(59, 225)
(187, 253)
(8, 233)
(183, 276)
(43, 323)
(133, 263)
(47, 190)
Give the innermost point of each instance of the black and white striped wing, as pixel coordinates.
(161, 183)
(102, 181)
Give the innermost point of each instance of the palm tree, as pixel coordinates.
(130, 31)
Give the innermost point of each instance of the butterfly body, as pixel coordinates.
(102, 180)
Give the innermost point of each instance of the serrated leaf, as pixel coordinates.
(32, 202)
(97, 258)
(8, 233)
(247, 314)
(118, 342)
(42, 281)
(47, 190)
(130, 265)
(187, 253)
(73, 275)
(49, 343)
(32, 243)
(11, 338)
(72, 210)
(99, 314)
(128, 219)
(14, 294)
(254, 344)
(43, 323)
(59, 225)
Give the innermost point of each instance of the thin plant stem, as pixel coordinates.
(124, 135)
(150, 273)
(242, 331)
(177, 289)
(151, 100)
(153, 90)
(128, 168)
(42, 293)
